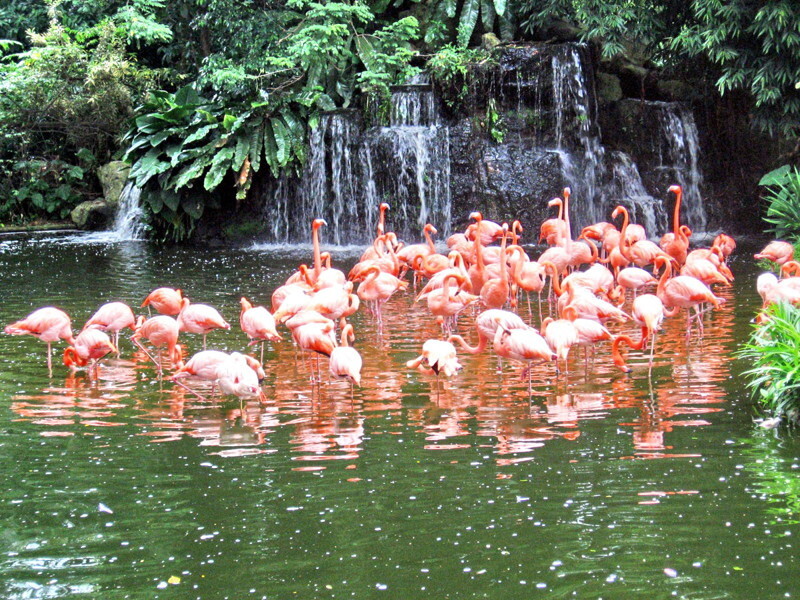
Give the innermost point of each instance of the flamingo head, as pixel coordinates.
(430, 229)
(675, 189)
(317, 223)
(72, 359)
(384, 207)
(476, 215)
(555, 202)
(619, 210)
(567, 193)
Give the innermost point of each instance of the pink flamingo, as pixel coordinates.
(258, 324)
(90, 346)
(200, 318)
(112, 316)
(165, 301)
(777, 252)
(49, 324)
(161, 331)
(345, 361)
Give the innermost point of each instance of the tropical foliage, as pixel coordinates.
(242, 81)
(774, 350)
(783, 198)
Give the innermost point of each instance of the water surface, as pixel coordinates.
(599, 485)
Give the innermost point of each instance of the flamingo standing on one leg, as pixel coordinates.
(49, 324)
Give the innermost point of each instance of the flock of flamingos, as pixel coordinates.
(315, 302)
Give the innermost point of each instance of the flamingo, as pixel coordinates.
(49, 324)
(777, 252)
(641, 252)
(315, 336)
(200, 318)
(726, 244)
(408, 254)
(529, 276)
(258, 324)
(523, 345)
(553, 231)
(590, 332)
(377, 288)
(237, 378)
(161, 331)
(634, 278)
(561, 335)
(446, 306)
(619, 361)
(494, 292)
(676, 244)
(683, 291)
(486, 324)
(345, 361)
(202, 365)
(648, 312)
(437, 357)
(112, 316)
(89, 347)
(165, 301)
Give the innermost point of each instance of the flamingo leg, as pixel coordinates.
(49, 360)
(262, 351)
(179, 383)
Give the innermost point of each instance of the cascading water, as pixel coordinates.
(340, 185)
(678, 153)
(129, 221)
(546, 96)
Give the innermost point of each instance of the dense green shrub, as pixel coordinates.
(63, 106)
(774, 349)
(783, 197)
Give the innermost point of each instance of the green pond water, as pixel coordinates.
(605, 485)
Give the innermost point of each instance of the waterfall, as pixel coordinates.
(679, 154)
(573, 104)
(129, 223)
(340, 185)
(422, 162)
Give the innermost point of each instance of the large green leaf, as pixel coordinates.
(241, 151)
(191, 171)
(366, 50)
(198, 134)
(282, 141)
(776, 177)
(271, 148)
(500, 7)
(147, 166)
(487, 14)
(187, 95)
(219, 166)
(193, 207)
(256, 137)
(467, 22)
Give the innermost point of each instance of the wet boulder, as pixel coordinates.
(92, 215)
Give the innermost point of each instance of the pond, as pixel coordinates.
(604, 484)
